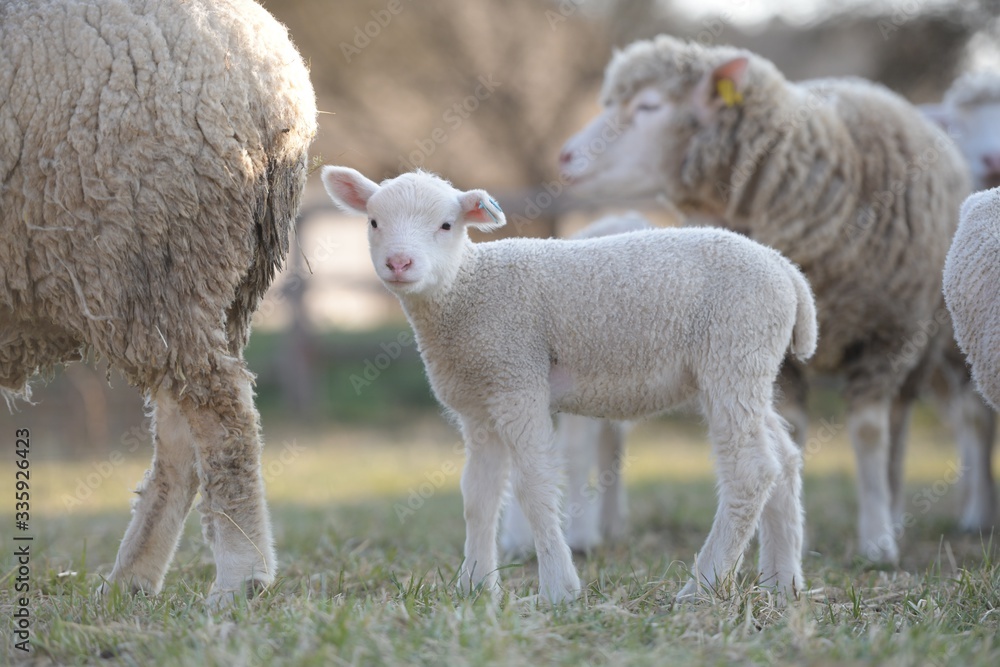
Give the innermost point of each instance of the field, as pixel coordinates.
(369, 532)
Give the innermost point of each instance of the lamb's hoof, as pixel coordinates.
(583, 543)
(565, 591)
(975, 520)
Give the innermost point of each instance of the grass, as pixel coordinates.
(358, 586)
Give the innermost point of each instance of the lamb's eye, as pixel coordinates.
(446, 226)
(374, 224)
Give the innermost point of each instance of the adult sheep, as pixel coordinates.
(842, 176)
(972, 289)
(970, 113)
(152, 156)
(592, 513)
(617, 327)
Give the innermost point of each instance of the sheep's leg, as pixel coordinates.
(484, 478)
(235, 519)
(783, 517)
(974, 425)
(578, 440)
(527, 432)
(793, 392)
(899, 427)
(748, 468)
(868, 425)
(614, 500)
(164, 500)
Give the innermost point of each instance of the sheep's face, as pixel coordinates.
(618, 154)
(976, 130)
(640, 145)
(417, 225)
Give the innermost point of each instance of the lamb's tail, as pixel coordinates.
(804, 334)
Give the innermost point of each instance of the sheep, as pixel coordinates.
(620, 327)
(970, 114)
(842, 176)
(152, 158)
(593, 514)
(971, 280)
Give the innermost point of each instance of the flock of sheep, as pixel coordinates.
(152, 158)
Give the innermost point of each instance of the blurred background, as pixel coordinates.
(484, 93)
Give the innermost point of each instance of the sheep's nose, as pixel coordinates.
(565, 157)
(398, 263)
(992, 162)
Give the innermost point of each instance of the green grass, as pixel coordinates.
(357, 586)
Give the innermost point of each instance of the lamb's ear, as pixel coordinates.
(938, 114)
(721, 87)
(481, 211)
(348, 188)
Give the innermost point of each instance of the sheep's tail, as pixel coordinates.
(279, 193)
(804, 334)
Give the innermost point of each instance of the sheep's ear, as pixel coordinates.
(481, 211)
(348, 188)
(938, 114)
(721, 87)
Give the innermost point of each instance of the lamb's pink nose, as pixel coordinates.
(565, 157)
(398, 264)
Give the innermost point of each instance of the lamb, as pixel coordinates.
(844, 177)
(593, 514)
(971, 279)
(152, 158)
(620, 327)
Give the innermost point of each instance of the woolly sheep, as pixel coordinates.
(617, 327)
(152, 156)
(593, 513)
(844, 177)
(972, 289)
(970, 113)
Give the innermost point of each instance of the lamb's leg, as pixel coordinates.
(164, 500)
(868, 425)
(235, 519)
(748, 468)
(527, 432)
(578, 440)
(516, 540)
(614, 500)
(484, 478)
(782, 519)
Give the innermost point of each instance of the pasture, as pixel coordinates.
(369, 531)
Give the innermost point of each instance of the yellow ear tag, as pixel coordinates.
(727, 91)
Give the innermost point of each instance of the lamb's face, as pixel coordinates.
(417, 225)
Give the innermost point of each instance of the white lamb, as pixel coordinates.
(593, 513)
(972, 289)
(620, 327)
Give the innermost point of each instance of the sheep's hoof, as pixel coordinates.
(690, 593)
(880, 555)
(130, 587)
(222, 597)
